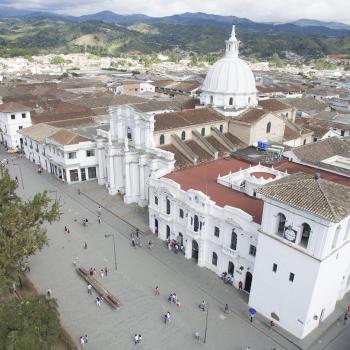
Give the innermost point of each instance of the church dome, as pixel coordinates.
(230, 82)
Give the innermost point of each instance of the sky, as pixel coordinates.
(258, 10)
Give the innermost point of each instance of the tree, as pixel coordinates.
(22, 231)
(29, 325)
(57, 60)
(276, 61)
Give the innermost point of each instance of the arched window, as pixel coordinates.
(156, 226)
(305, 235)
(155, 200)
(161, 140)
(221, 128)
(129, 134)
(203, 132)
(168, 206)
(231, 268)
(281, 223)
(214, 259)
(167, 232)
(183, 136)
(233, 240)
(211, 100)
(181, 213)
(195, 223)
(230, 102)
(336, 237)
(268, 127)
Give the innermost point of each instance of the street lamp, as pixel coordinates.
(20, 172)
(206, 324)
(115, 256)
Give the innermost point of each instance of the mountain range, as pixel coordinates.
(28, 32)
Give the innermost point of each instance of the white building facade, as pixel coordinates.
(13, 117)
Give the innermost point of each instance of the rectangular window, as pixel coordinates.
(83, 174)
(252, 250)
(23, 115)
(72, 155)
(291, 277)
(13, 116)
(90, 153)
(92, 172)
(274, 267)
(181, 213)
(155, 200)
(20, 127)
(74, 175)
(216, 231)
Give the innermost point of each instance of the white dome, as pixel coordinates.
(230, 83)
(230, 75)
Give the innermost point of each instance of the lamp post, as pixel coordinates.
(206, 324)
(20, 173)
(115, 256)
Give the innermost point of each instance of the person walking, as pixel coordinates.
(99, 210)
(85, 245)
(140, 339)
(48, 293)
(89, 289)
(99, 219)
(86, 339)
(82, 342)
(102, 273)
(156, 291)
(226, 309)
(133, 243)
(346, 316)
(98, 301)
(106, 271)
(168, 317)
(136, 339)
(251, 318)
(65, 229)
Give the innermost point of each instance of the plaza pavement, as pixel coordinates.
(139, 270)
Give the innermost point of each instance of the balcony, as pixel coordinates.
(230, 252)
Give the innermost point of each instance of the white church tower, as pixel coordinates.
(302, 265)
(230, 83)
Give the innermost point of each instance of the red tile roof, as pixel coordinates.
(13, 107)
(203, 178)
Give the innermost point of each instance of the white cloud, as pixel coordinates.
(258, 10)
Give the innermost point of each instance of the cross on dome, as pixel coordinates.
(232, 44)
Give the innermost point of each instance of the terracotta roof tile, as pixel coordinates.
(38, 132)
(67, 137)
(273, 105)
(13, 107)
(252, 115)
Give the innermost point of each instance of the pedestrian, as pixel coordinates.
(94, 272)
(178, 304)
(226, 309)
(86, 339)
(99, 210)
(48, 293)
(272, 324)
(65, 229)
(133, 243)
(251, 318)
(91, 271)
(168, 317)
(140, 338)
(68, 232)
(156, 291)
(82, 342)
(202, 305)
(106, 271)
(85, 245)
(89, 288)
(102, 273)
(248, 348)
(136, 339)
(16, 179)
(78, 190)
(137, 233)
(150, 245)
(75, 260)
(165, 318)
(346, 316)
(99, 219)
(98, 301)
(240, 285)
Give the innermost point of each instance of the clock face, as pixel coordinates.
(290, 234)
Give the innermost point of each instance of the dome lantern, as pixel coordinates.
(232, 44)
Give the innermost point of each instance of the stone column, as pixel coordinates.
(201, 253)
(101, 174)
(188, 248)
(111, 178)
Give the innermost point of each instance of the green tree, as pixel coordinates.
(57, 60)
(276, 61)
(29, 325)
(22, 231)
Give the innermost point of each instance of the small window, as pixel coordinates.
(161, 140)
(291, 277)
(274, 267)
(92, 172)
(195, 223)
(183, 136)
(128, 133)
(90, 153)
(233, 245)
(20, 127)
(168, 206)
(305, 235)
(268, 128)
(155, 200)
(221, 128)
(216, 231)
(231, 101)
(252, 250)
(214, 259)
(13, 116)
(71, 155)
(24, 115)
(203, 132)
(181, 213)
(281, 223)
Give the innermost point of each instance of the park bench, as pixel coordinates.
(104, 293)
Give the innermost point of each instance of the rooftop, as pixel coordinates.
(38, 132)
(175, 120)
(273, 105)
(325, 199)
(67, 137)
(13, 107)
(252, 115)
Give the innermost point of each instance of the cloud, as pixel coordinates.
(258, 10)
